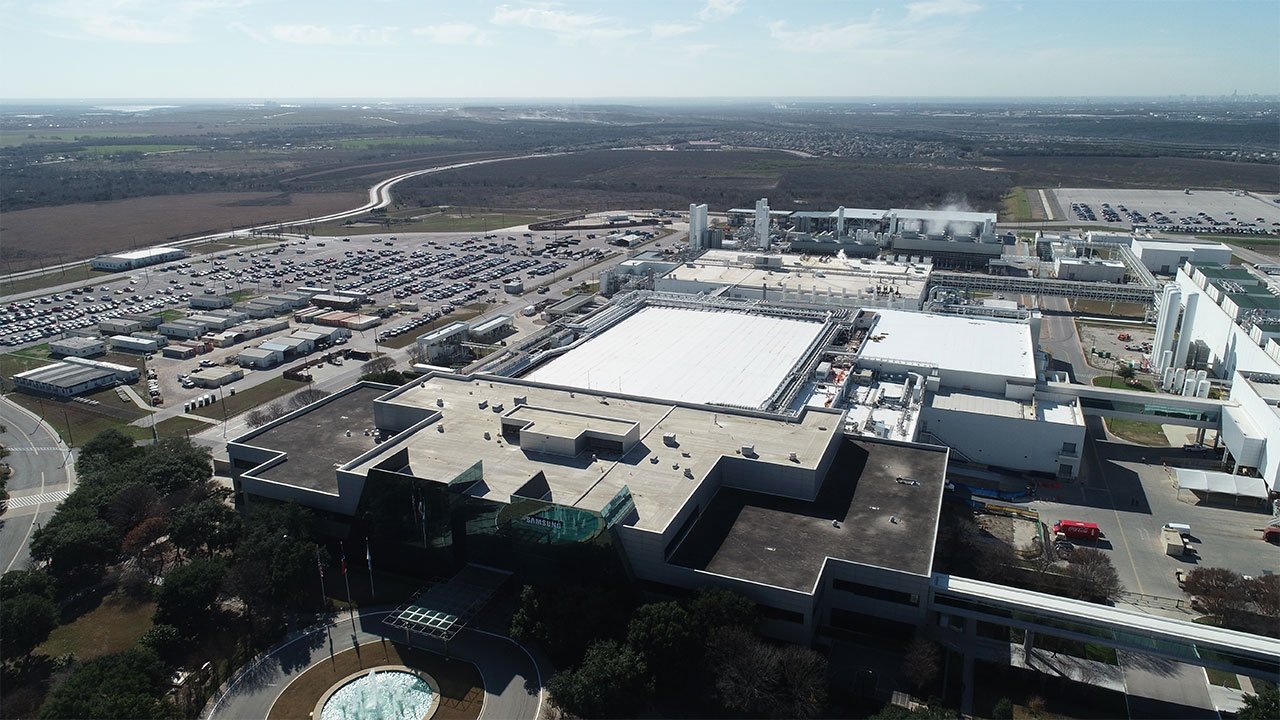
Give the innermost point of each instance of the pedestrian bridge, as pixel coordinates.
(1033, 612)
(1151, 407)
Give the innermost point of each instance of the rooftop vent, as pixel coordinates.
(484, 404)
(669, 439)
(748, 451)
(439, 402)
(688, 472)
(520, 400)
(440, 428)
(793, 458)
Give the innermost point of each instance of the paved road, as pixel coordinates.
(1161, 689)
(1059, 338)
(38, 458)
(512, 679)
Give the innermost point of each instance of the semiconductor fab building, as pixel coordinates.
(790, 452)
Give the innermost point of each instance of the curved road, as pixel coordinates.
(379, 196)
(41, 478)
(512, 679)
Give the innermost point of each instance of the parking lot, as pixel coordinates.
(1130, 494)
(412, 280)
(1200, 211)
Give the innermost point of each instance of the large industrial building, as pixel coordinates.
(136, 258)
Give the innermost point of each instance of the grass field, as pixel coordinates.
(115, 625)
(178, 427)
(1015, 207)
(25, 137)
(1111, 381)
(23, 360)
(461, 686)
(1137, 431)
(1222, 678)
(382, 142)
(249, 398)
(77, 422)
(54, 235)
(141, 148)
(76, 273)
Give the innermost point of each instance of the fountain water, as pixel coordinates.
(380, 695)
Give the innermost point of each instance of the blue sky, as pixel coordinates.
(279, 49)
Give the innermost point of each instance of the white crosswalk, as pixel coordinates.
(29, 500)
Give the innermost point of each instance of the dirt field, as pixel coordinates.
(73, 232)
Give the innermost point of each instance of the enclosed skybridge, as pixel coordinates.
(1106, 292)
(1138, 405)
(981, 603)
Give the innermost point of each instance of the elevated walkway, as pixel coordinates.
(1122, 629)
(1152, 407)
(1108, 292)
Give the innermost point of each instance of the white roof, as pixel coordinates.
(1222, 483)
(952, 342)
(692, 355)
(860, 214)
(143, 254)
(1141, 243)
(949, 215)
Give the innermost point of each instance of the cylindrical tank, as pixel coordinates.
(1179, 377)
(1189, 387)
(1166, 359)
(1202, 388)
(1166, 321)
(1201, 375)
(1166, 381)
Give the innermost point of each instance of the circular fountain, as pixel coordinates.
(388, 692)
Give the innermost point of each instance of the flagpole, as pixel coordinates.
(324, 602)
(350, 608)
(368, 559)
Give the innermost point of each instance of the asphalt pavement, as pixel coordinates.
(512, 679)
(41, 476)
(1161, 689)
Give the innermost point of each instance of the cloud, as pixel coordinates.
(324, 35)
(719, 9)
(152, 22)
(926, 9)
(567, 25)
(453, 34)
(662, 31)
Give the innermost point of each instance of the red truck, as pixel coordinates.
(1077, 529)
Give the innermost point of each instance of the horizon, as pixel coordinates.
(669, 49)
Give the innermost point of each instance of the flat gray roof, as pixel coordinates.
(784, 542)
(65, 374)
(315, 440)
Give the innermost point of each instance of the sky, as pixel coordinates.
(316, 49)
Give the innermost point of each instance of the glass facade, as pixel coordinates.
(437, 526)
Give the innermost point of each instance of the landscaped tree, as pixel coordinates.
(274, 564)
(1094, 575)
(75, 545)
(209, 525)
(664, 635)
(166, 641)
(1263, 705)
(565, 619)
(23, 582)
(173, 464)
(25, 622)
(714, 607)
(139, 541)
(189, 592)
(104, 451)
(611, 682)
(1126, 371)
(132, 504)
(378, 365)
(120, 685)
(305, 397)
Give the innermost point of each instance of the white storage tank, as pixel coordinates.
(1202, 388)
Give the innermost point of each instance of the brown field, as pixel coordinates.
(56, 235)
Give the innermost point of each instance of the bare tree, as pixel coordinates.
(256, 418)
(305, 397)
(922, 662)
(802, 683)
(1094, 573)
(378, 365)
(742, 667)
(417, 354)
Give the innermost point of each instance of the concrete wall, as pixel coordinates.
(1229, 344)
(1267, 422)
(1005, 441)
